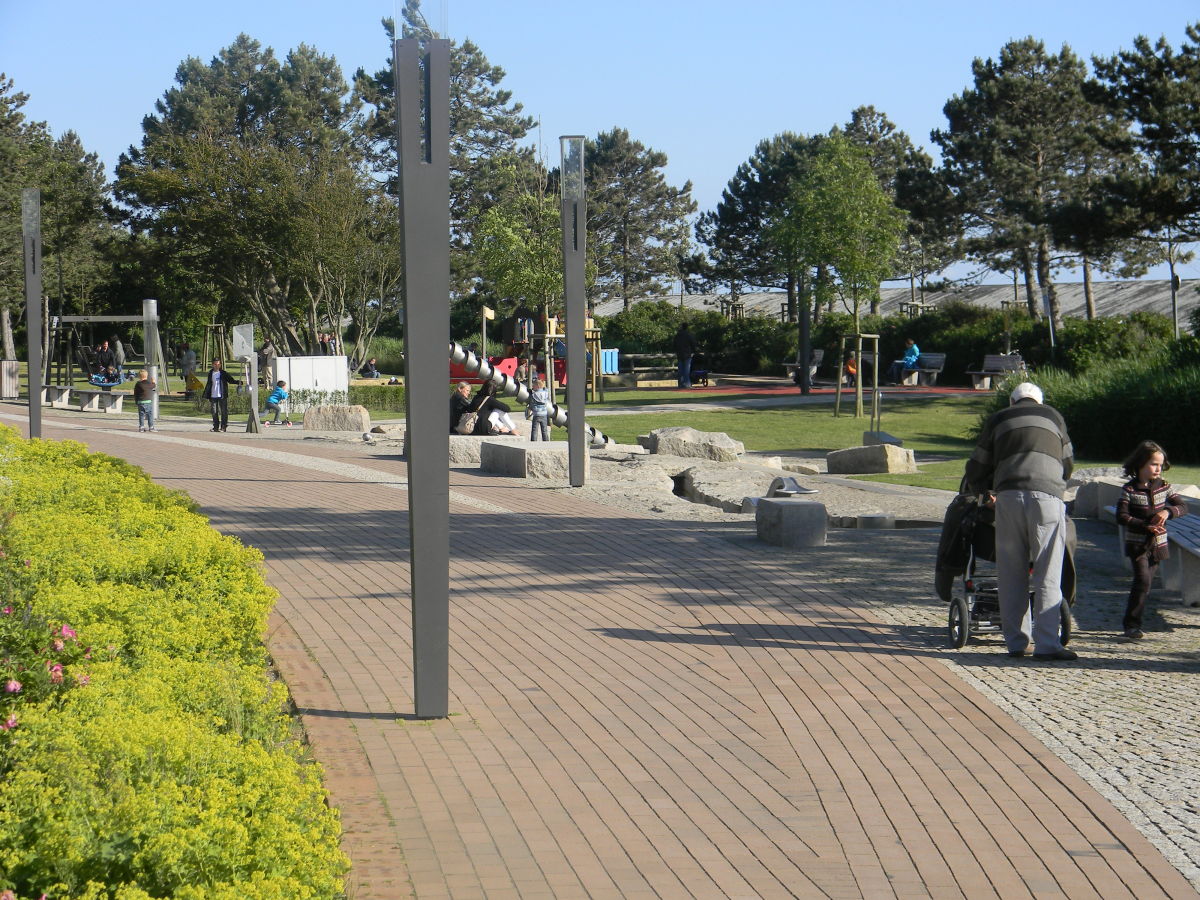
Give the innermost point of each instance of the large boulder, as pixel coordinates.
(871, 459)
(726, 487)
(465, 448)
(682, 440)
(337, 418)
(629, 469)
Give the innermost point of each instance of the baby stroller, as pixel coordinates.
(968, 537)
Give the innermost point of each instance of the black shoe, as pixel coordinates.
(215, 428)
(1064, 654)
(222, 427)
(1019, 654)
(1134, 634)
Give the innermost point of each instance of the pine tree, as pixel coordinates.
(637, 223)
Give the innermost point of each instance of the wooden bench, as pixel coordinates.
(1181, 571)
(929, 367)
(818, 356)
(98, 400)
(57, 395)
(995, 365)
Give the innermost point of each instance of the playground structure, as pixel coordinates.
(509, 385)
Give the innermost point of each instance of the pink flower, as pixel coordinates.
(8, 725)
(81, 680)
(7, 612)
(57, 645)
(68, 632)
(9, 895)
(13, 686)
(28, 563)
(56, 672)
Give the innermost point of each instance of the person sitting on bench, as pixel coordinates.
(368, 369)
(912, 355)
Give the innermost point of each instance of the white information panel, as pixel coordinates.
(314, 376)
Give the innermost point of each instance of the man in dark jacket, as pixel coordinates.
(1022, 462)
(685, 349)
(216, 391)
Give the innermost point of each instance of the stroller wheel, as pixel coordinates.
(1065, 625)
(958, 627)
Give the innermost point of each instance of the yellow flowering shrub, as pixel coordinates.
(169, 767)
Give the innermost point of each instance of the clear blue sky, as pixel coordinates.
(703, 81)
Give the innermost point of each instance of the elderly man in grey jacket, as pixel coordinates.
(1022, 461)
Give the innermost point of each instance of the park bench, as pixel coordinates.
(814, 363)
(56, 395)
(929, 366)
(1181, 571)
(98, 400)
(652, 369)
(995, 365)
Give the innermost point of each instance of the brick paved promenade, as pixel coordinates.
(640, 708)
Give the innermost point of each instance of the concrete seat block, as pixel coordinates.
(791, 522)
(530, 459)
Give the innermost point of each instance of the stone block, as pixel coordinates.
(1092, 496)
(391, 430)
(337, 418)
(791, 522)
(871, 459)
(530, 459)
(464, 448)
(682, 440)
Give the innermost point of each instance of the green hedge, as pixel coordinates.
(158, 761)
(1114, 405)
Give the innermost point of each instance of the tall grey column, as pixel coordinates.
(422, 123)
(574, 243)
(151, 345)
(31, 229)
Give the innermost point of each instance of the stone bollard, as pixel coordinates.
(791, 522)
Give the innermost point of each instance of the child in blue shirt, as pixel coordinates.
(539, 408)
(274, 401)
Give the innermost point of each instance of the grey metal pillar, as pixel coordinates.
(151, 348)
(31, 229)
(423, 116)
(574, 243)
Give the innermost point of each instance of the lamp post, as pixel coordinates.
(574, 233)
(422, 82)
(31, 230)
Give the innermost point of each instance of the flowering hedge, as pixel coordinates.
(144, 753)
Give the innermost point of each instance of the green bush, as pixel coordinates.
(158, 760)
(1114, 405)
(378, 397)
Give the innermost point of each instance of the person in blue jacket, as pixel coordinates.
(912, 353)
(275, 402)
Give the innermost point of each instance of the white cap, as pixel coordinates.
(1025, 391)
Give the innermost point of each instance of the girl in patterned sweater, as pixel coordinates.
(1145, 505)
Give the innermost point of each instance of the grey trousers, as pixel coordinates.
(1031, 530)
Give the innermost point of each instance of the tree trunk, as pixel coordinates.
(1035, 311)
(791, 295)
(6, 332)
(1046, 283)
(1089, 299)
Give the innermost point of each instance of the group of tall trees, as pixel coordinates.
(264, 189)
